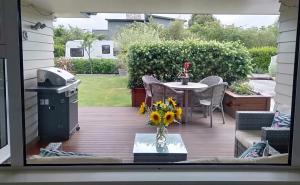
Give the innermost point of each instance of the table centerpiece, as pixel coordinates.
(184, 75)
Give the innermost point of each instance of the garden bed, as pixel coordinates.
(233, 102)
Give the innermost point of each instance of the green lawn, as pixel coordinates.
(103, 91)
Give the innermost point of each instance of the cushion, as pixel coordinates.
(275, 159)
(51, 153)
(36, 159)
(281, 120)
(257, 150)
(248, 137)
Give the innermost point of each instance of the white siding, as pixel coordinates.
(286, 54)
(37, 53)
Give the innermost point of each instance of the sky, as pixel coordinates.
(98, 21)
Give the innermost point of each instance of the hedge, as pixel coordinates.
(99, 66)
(230, 60)
(261, 58)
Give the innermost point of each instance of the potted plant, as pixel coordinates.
(184, 75)
(122, 69)
(241, 97)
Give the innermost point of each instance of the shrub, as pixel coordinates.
(241, 88)
(99, 66)
(64, 63)
(230, 60)
(261, 58)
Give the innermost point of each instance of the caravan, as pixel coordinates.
(99, 49)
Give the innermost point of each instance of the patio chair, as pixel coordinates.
(254, 126)
(147, 79)
(214, 99)
(201, 94)
(161, 92)
(211, 80)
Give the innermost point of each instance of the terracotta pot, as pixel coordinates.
(137, 96)
(233, 102)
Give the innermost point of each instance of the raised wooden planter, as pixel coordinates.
(137, 96)
(233, 102)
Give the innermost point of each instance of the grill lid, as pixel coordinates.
(53, 76)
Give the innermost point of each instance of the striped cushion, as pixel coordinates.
(51, 153)
(259, 149)
(281, 120)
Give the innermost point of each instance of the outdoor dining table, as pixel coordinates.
(186, 88)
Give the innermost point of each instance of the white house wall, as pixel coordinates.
(96, 49)
(37, 53)
(286, 54)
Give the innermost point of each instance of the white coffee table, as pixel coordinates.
(145, 149)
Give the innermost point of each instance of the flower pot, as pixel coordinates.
(185, 80)
(233, 102)
(122, 72)
(137, 96)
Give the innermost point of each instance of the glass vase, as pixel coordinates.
(161, 135)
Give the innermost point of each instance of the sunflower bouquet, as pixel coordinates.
(162, 114)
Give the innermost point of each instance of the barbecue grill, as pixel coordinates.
(57, 104)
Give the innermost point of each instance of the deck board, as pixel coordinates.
(110, 131)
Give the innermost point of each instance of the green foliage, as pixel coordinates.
(59, 50)
(176, 31)
(82, 66)
(250, 37)
(229, 60)
(136, 33)
(241, 88)
(261, 58)
(201, 19)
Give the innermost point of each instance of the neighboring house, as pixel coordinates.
(99, 49)
(114, 25)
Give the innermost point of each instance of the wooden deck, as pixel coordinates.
(111, 131)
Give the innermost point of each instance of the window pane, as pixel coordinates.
(206, 128)
(77, 52)
(3, 122)
(4, 135)
(106, 49)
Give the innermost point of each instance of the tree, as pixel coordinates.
(176, 31)
(135, 33)
(88, 39)
(62, 35)
(201, 19)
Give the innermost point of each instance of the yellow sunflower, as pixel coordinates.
(172, 102)
(155, 117)
(178, 113)
(158, 103)
(169, 118)
(142, 109)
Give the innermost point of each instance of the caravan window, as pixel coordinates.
(76, 52)
(105, 49)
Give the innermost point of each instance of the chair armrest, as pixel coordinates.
(278, 138)
(253, 120)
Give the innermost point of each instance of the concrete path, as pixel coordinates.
(266, 87)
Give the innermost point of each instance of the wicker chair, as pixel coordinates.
(161, 92)
(202, 94)
(147, 79)
(211, 80)
(214, 99)
(253, 126)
